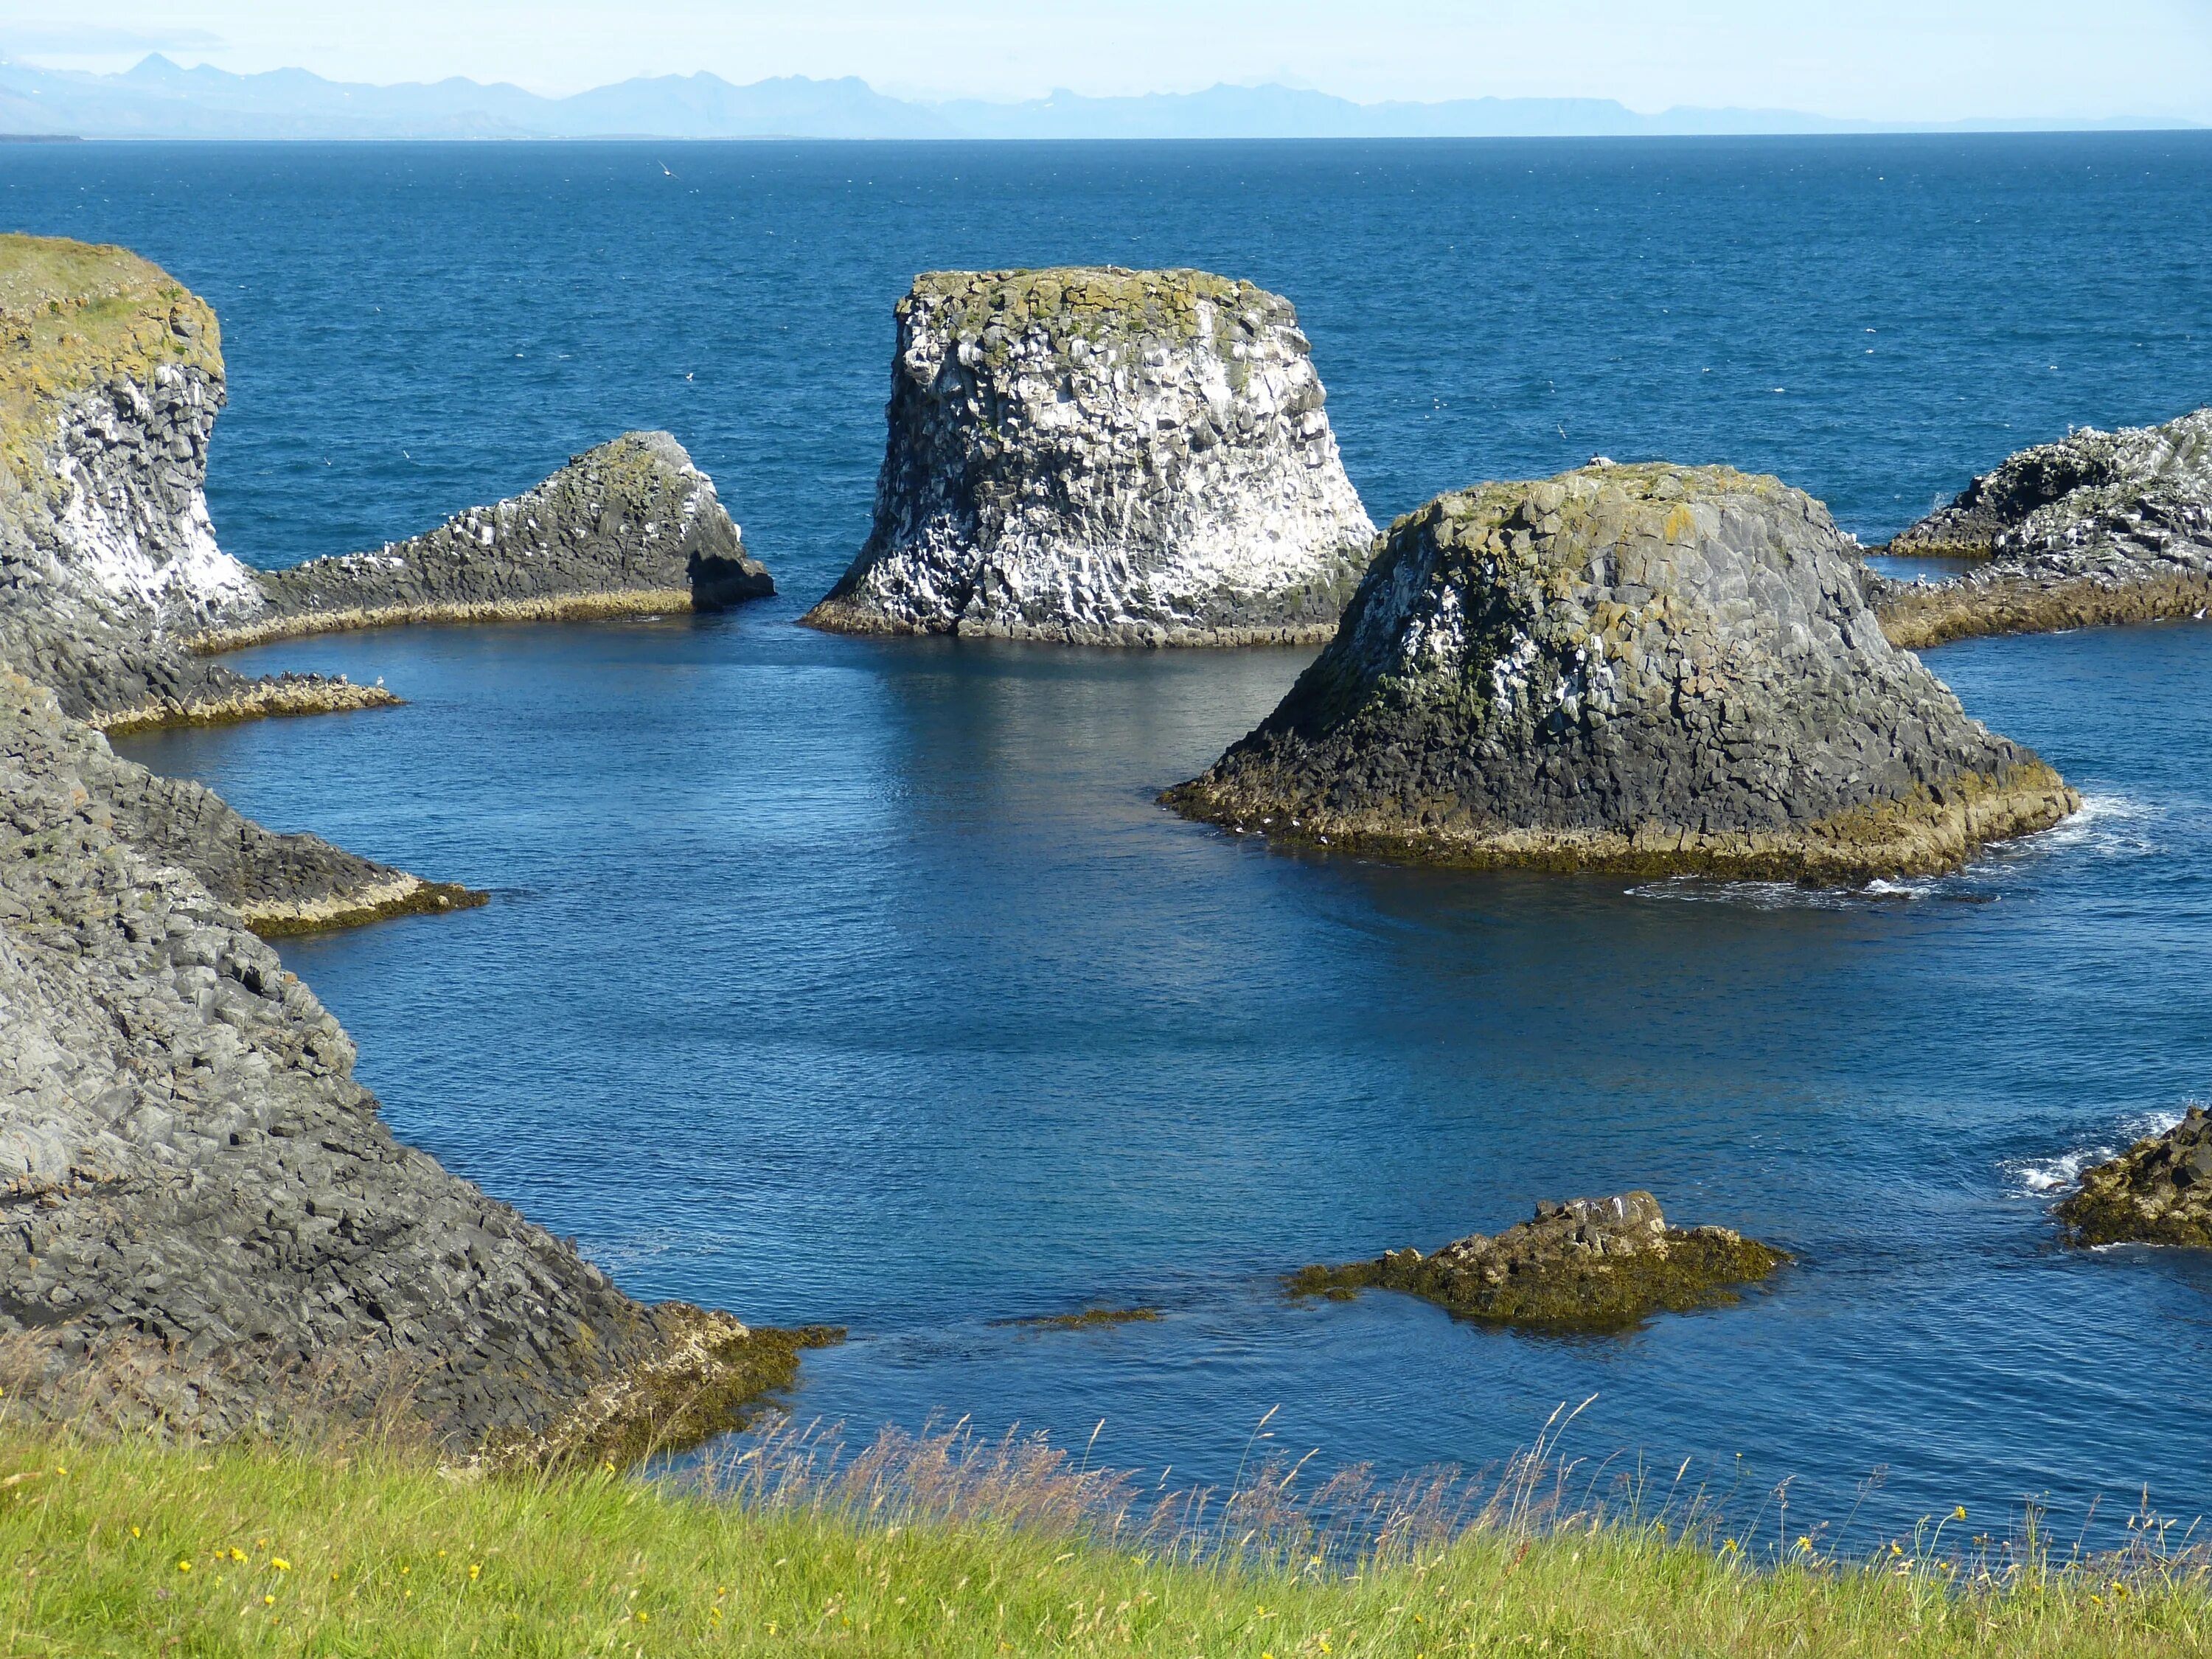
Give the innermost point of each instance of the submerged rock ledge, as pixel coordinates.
(1649, 669)
(1588, 1263)
(1094, 456)
(2098, 527)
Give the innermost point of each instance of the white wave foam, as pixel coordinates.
(1780, 895)
(2035, 1177)
(2108, 826)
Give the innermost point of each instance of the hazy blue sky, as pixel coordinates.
(1892, 59)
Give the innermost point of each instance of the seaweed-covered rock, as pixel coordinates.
(1649, 669)
(1588, 1262)
(627, 528)
(1104, 457)
(2098, 527)
(2157, 1191)
(203, 1223)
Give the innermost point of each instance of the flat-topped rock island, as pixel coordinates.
(1096, 456)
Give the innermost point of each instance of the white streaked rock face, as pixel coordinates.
(1106, 457)
(128, 514)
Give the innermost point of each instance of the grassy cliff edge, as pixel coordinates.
(131, 1549)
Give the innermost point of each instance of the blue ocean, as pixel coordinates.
(862, 981)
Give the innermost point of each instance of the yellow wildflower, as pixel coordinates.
(280, 1563)
(1959, 1513)
(476, 1570)
(134, 1532)
(268, 1601)
(184, 1567)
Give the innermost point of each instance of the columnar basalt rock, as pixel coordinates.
(1104, 457)
(203, 1220)
(2098, 527)
(2157, 1191)
(1648, 669)
(1588, 1263)
(631, 527)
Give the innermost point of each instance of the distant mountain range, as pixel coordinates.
(160, 100)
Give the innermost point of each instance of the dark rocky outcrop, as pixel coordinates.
(630, 527)
(202, 1213)
(1590, 1263)
(2098, 527)
(2157, 1191)
(1104, 457)
(1646, 669)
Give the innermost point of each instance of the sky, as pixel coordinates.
(1894, 60)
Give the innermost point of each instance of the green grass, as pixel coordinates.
(132, 1549)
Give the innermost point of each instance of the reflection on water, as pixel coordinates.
(864, 980)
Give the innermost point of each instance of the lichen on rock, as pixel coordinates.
(1650, 669)
(2157, 1191)
(1587, 1263)
(1104, 457)
(2098, 527)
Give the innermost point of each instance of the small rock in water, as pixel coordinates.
(1590, 1263)
(2157, 1191)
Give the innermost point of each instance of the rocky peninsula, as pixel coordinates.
(1096, 456)
(1588, 1263)
(204, 1226)
(629, 528)
(1648, 669)
(2157, 1191)
(2098, 527)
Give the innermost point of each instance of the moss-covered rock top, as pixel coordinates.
(77, 315)
(1094, 303)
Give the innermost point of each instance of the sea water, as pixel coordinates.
(863, 982)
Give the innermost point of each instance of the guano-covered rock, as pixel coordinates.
(1648, 669)
(1104, 457)
(2098, 527)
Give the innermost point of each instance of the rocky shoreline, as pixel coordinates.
(205, 1227)
(1095, 455)
(1585, 1264)
(2098, 527)
(1649, 669)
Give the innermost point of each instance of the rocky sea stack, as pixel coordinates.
(2157, 1191)
(631, 527)
(1588, 1263)
(1649, 669)
(2098, 527)
(1104, 457)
